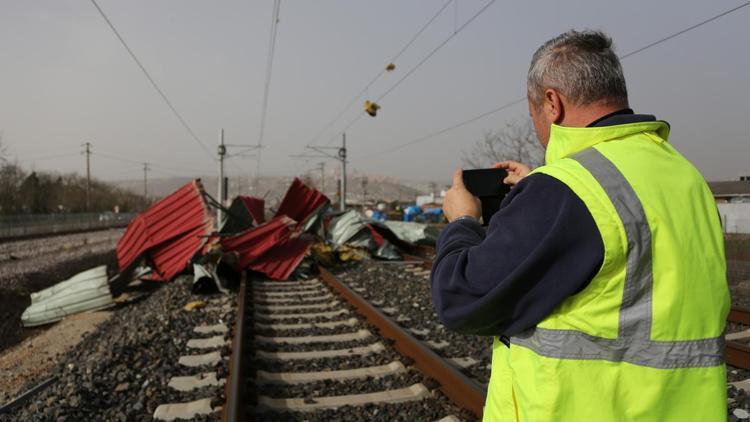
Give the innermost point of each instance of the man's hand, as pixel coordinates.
(459, 201)
(516, 171)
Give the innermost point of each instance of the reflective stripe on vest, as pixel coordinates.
(633, 343)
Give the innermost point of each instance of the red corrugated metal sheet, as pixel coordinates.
(169, 233)
(255, 206)
(300, 202)
(281, 260)
(255, 242)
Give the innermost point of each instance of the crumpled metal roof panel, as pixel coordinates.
(281, 260)
(255, 206)
(301, 201)
(85, 291)
(169, 233)
(253, 243)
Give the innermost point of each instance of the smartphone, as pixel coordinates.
(488, 186)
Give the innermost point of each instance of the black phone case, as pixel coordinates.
(488, 186)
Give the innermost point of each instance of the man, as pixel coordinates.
(602, 277)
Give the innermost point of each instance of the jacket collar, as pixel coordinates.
(565, 141)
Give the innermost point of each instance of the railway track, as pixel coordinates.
(278, 361)
(737, 348)
(310, 349)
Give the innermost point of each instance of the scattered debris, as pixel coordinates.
(179, 230)
(244, 213)
(416, 233)
(169, 233)
(356, 230)
(86, 291)
(196, 304)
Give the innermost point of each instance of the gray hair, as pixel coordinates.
(580, 65)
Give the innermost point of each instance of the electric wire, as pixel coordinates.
(435, 50)
(267, 84)
(140, 163)
(522, 99)
(151, 80)
(418, 65)
(690, 28)
(380, 73)
(444, 130)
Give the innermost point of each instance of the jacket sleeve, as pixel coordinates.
(540, 248)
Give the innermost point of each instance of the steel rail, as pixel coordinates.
(739, 315)
(463, 391)
(425, 262)
(233, 411)
(736, 353)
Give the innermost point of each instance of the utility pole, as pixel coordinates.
(342, 157)
(146, 169)
(323, 152)
(364, 191)
(87, 151)
(220, 191)
(322, 166)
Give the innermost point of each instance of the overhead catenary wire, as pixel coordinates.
(444, 130)
(267, 83)
(435, 50)
(523, 99)
(418, 65)
(678, 33)
(152, 81)
(381, 72)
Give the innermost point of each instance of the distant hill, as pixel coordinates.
(272, 188)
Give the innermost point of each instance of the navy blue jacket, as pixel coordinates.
(541, 247)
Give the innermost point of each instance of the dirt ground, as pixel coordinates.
(37, 355)
(28, 266)
(16, 298)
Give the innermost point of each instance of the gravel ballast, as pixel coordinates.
(390, 286)
(120, 371)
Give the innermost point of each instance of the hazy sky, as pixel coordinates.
(65, 79)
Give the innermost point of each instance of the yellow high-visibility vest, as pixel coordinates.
(644, 340)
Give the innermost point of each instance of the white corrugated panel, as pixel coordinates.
(735, 217)
(86, 291)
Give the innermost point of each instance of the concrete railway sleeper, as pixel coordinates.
(310, 355)
(344, 360)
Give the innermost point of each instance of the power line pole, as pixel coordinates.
(322, 166)
(146, 169)
(323, 152)
(220, 191)
(364, 190)
(342, 157)
(87, 151)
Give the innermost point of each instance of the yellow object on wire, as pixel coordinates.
(371, 108)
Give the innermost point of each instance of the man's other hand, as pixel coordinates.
(459, 201)
(516, 171)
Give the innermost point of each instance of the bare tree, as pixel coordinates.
(516, 141)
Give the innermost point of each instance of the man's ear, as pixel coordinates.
(554, 106)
